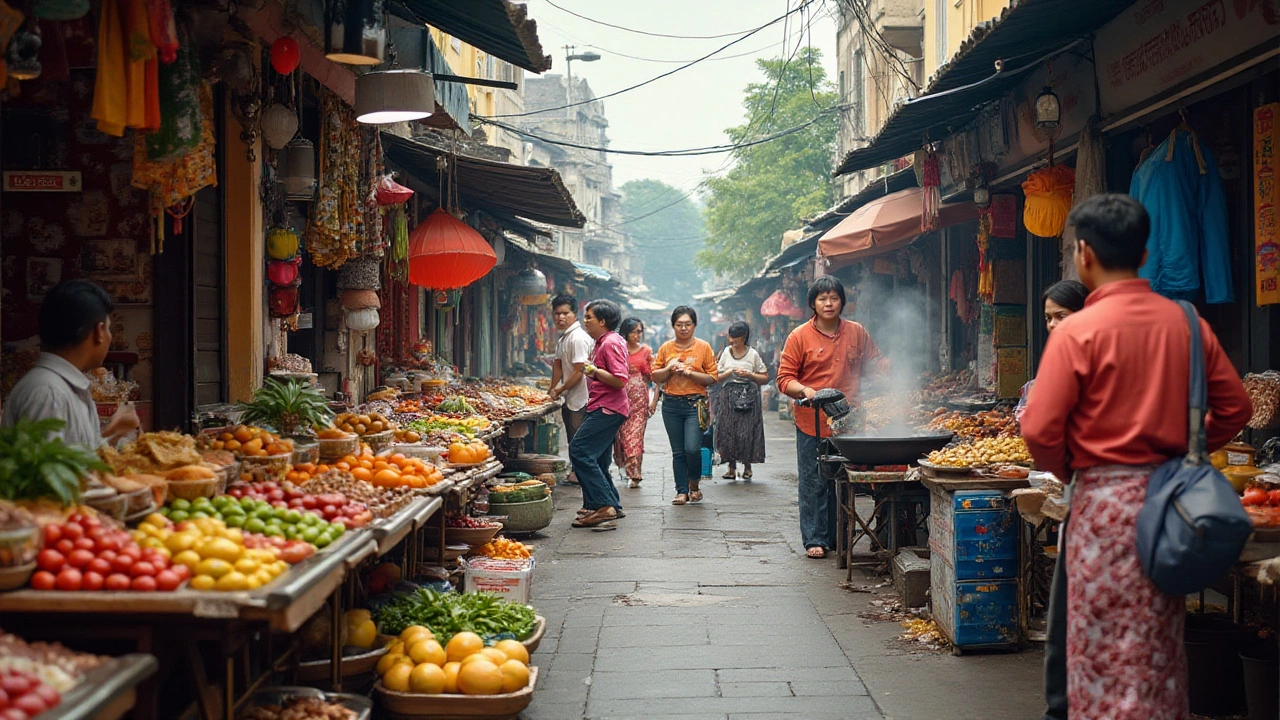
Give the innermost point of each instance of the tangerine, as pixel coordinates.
(397, 677)
(451, 676)
(515, 675)
(514, 649)
(386, 478)
(497, 656)
(360, 473)
(428, 679)
(462, 645)
(478, 678)
(427, 651)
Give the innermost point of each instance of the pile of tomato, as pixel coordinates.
(83, 554)
(23, 696)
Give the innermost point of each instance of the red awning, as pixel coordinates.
(885, 225)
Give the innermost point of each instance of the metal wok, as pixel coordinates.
(877, 450)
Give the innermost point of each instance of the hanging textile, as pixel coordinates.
(337, 216)
(373, 240)
(1091, 165)
(126, 90)
(1189, 246)
(1048, 194)
(164, 32)
(986, 273)
(932, 175)
(181, 125)
(173, 183)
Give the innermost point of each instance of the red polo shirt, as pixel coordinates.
(1112, 386)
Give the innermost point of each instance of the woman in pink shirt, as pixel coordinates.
(591, 450)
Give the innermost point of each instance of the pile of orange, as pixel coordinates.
(254, 442)
(471, 452)
(390, 472)
(409, 406)
(302, 472)
(416, 663)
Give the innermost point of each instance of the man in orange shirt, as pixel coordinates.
(826, 352)
(1110, 403)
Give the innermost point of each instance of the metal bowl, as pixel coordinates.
(874, 450)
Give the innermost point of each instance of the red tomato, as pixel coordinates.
(4, 700)
(13, 713)
(52, 534)
(16, 685)
(84, 543)
(168, 580)
(80, 559)
(183, 572)
(42, 580)
(295, 554)
(143, 583)
(1255, 496)
(50, 560)
(30, 704)
(143, 569)
(65, 545)
(108, 543)
(69, 579)
(92, 581)
(107, 555)
(117, 582)
(1273, 497)
(100, 566)
(132, 550)
(73, 531)
(122, 563)
(52, 698)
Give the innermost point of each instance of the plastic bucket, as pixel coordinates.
(1215, 680)
(1261, 664)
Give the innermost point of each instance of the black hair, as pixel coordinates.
(1115, 226)
(569, 300)
(70, 311)
(740, 329)
(607, 312)
(629, 326)
(1069, 294)
(826, 284)
(684, 310)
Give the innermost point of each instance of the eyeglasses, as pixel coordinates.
(684, 325)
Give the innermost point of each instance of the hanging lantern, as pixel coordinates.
(285, 55)
(23, 59)
(982, 197)
(362, 320)
(445, 253)
(447, 299)
(394, 96)
(279, 125)
(530, 287)
(357, 34)
(1048, 110)
(299, 173)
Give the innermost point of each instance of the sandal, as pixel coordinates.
(680, 499)
(731, 474)
(599, 517)
(816, 552)
(695, 496)
(746, 474)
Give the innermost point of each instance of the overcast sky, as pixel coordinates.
(692, 107)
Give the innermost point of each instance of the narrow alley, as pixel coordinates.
(712, 611)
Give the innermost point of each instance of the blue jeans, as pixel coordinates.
(591, 453)
(817, 496)
(680, 418)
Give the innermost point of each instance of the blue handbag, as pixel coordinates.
(1192, 526)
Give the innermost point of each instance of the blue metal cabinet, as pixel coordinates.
(973, 543)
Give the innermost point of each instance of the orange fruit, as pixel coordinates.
(514, 649)
(451, 676)
(462, 645)
(386, 661)
(386, 477)
(380, 465)
(515, 675)
(366, 463)
(242, 434)
(362, 474)
(397, 677)
(478, 678)
(497, 656)
(427, 679)
(408, 634)
(343, 465)
(427, 651)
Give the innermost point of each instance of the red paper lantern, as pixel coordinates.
(285, 55)
(445, 253)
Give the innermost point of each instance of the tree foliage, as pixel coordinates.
(774, 185)
(666, 230)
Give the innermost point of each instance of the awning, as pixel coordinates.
(884, 225)
(1025, 34)
(495, 187)
(593, 271)
(640, 304)
(499, 27)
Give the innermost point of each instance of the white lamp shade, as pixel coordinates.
(279, 125)
(363, 319)
(391, 96)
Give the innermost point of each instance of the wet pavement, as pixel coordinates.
(711, 611)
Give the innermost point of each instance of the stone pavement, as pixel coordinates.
(712, 612)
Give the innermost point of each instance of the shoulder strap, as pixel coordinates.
(1197, 388)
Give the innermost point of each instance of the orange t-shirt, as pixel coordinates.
(822, 361)
(698, 356)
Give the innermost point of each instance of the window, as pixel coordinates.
(490, 68)
(940, 25)
(456, 45)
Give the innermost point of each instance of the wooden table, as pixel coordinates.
(893, 495)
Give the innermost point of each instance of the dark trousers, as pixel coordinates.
(680, 418)
(818, 503)
(572, 421)
(591, 453)
(1055, 642)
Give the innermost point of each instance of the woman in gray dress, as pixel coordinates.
(736, 406)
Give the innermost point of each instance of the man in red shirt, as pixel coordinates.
(1109, 404)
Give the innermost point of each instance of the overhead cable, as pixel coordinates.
(644, 32)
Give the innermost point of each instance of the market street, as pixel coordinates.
(712, 611)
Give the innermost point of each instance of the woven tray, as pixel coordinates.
(457, 707)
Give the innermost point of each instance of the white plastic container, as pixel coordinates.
(512, 584)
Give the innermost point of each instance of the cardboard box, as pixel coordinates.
(513, 584)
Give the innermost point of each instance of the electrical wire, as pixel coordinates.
(658, 77)
(644, 32)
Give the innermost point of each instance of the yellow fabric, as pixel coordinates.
(126, 92)
(1048, 194)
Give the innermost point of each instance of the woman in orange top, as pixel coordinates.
(687, 365)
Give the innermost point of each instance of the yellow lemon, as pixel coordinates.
(220, 548)
(480, 678)
(363, 634)
(178, 542)
(513, 649)
(427, 651)
(396, 648)
(358, 615)
(202, 582)
(427, 678)
(189, 558)
(231, 582)
(463, 644)
(515, 675)
(397, 677)
(214, 567)
(247, 566)
(451, 676)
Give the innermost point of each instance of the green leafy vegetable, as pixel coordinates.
(288, 407)
(34, 464)
(447, 614)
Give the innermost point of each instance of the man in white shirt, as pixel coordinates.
(573, 350)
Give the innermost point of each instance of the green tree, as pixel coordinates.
(667, 231)
(774, 185)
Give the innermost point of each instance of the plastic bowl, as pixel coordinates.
(19, 546)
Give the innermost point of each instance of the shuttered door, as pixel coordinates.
(209, 302)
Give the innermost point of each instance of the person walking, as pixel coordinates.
(573, 349)
(688, 366)
(736, 404)
(606, 410)
(628, 450)
(1109, 405)
(825, 352)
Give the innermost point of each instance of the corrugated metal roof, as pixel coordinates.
(1025, 32)
(499, 27)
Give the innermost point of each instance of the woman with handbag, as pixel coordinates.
(688, 366)
(736, 404)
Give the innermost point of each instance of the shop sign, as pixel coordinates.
(42, 181)
(1266, 198)
(1157, 44)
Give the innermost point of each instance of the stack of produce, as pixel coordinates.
(363, 424)
(985, 424)
(261, 517)
(450, 613)
(458, 520)
(468, 453)
(248, 441)
(982, 453)
(152, 454)
(49, 663)
(82, 553)
(388, 472)
(465, 425)
(302, 708)
(331, 507)
(417, 663)
(526, 491)
(504, 549)
(382, 502)
(219, 557)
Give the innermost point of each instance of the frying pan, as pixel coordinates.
(877, 450)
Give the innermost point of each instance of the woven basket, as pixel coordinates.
(1264, 393)
(192, 489)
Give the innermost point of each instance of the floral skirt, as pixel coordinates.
(628, 448)
(1125, 657)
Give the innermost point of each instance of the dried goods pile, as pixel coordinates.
(363, 423)
(152, 453)
(301, 708)
(985, 424)
(382, 502)
(982, 453)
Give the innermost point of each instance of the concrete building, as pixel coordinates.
(948, 23)
(468, 61)
(587, 173)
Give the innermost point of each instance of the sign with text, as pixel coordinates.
(1266, 198)
(1157, 44)
(42, 181)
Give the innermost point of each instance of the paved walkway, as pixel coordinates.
(711, 612)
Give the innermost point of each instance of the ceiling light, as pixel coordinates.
(391, 96)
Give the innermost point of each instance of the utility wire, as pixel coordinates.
(644, 32)
(659, 77)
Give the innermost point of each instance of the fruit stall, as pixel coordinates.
(295, 547)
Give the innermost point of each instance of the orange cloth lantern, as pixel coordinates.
(1049, 192)
(446, 253)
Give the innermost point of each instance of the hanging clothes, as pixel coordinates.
(173, 182)
(181, 127)
(126, 91)
(1189, 246)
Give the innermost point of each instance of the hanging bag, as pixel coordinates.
(1192, 526)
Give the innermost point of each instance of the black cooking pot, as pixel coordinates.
(877, 450)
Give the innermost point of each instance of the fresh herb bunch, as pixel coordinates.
(290, 407)
(34, 464)
(447, 614)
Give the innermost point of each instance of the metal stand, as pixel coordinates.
(900, 508)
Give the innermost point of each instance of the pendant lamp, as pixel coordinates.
(299, 170)
(279, 125)
(530, 287)
(393, 96)
(357, 33)
(445, 253)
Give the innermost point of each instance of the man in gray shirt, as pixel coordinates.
(573, 349)
(75, 335)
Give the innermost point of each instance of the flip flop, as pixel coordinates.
(680, 499)
(605, 527)
(819, 555)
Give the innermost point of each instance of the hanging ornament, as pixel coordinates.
(285, 55)
(932, 176)
(279, 125)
